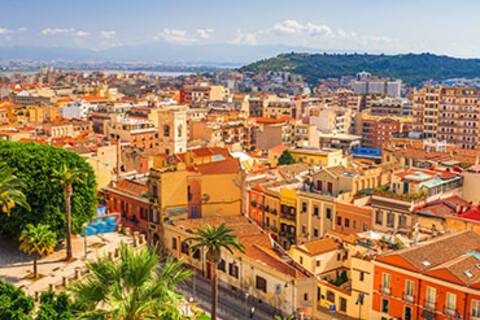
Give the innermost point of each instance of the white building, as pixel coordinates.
(77, 110)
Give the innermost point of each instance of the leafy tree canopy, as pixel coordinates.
(14, 303)
(286, 158)
(411, 68)
(36, 165)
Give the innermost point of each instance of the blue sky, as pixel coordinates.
(390, 26)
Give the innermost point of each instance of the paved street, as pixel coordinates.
(233, 305)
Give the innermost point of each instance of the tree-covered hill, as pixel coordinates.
(411, 68)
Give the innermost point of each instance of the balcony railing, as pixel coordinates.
(430, 305)
(386, 291)
(451, 312)
(408, 297)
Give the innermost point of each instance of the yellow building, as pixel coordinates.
(319, 157)
(259, 271)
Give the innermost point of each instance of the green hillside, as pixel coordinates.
(411, 68)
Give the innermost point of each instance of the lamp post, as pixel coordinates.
(85, 249)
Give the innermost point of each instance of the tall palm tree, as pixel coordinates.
(67, 177)
(37, 241)
(134, 287)
(11, 190)
(212, 240)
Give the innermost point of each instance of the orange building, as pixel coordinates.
(439, 280)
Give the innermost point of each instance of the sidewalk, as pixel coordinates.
(54, 271)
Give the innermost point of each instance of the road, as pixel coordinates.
(233, 304)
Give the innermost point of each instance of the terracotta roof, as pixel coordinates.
(434, 253)
(134, 187)
(321, 246)
(209, 151)
(227, 166)
(471, 214)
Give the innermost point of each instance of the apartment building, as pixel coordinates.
(438, 279)
(139, 133)
(448, 113)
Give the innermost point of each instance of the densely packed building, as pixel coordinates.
(348, 197)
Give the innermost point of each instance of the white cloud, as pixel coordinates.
(4, 31)
(291, 26)
(108, 34)
(53, 31)
(205, 33)
(174, 36)
(245, 38)
(81, 34)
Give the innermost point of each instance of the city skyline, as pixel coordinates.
(375, 26)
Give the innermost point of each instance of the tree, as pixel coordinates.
(133, 288)
(54, 306)
(213, 240)
(11, 190)
(14, 303)
(66, 178)
(35, 165)
(286, 158)
(37, 241)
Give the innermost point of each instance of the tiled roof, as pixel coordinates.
(227, 166)
(134, 187)
(434, 253)
(320, 246)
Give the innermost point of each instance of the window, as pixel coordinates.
(319, 294)
(304, 229)
(407, 313)
(315, 232)
(305, 297)
(197, 254)
(379, 217)
(385, 305)
(166, 130)
(339, 221)
(233, 270)
(451, 303)
(221, 265)
(386, 282)
(343, 305)
(304, 207)
(328, 214)
(319, 262)
(409, 290)
(347, 222)
(319, 185)
(475, 308)
(390, 219)
(361, 276)
(365, 227)
(261, 284)
(301, 260)
(330, 188)
(402, 221)
(431, 297)
(184, 248)
(316, 211)
(174, 243)
(355, 224)
(330, 296)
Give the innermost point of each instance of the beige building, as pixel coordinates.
(259, 271)
(448, 113)
(171, 122)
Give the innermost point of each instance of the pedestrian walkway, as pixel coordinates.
(54, 271)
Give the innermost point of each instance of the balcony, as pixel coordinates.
(430, 305)
(385, 291)
(408, 298)
(451, 312)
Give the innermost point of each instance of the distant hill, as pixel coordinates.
(411, 68)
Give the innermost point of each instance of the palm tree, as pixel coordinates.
(290, 317)
(37, 241)
(67, 177)
(212, 240)
(132, 288)
(11, 190)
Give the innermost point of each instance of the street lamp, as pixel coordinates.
(84, 229)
